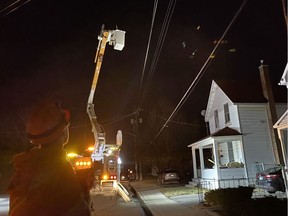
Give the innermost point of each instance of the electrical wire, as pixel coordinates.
(175, 122)
(159, 46)
(111, 121)
(200, 74)
(147, 51)
(12, 7)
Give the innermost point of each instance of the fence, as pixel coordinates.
(205, 185)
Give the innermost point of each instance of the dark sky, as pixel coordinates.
(48, 47)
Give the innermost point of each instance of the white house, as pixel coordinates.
(241, 136)
(282, 127)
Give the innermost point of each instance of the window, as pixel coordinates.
(226, 113)
(216, 118)
(230, 151)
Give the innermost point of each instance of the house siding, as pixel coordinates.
(256, 137)
(234, 118)
(220, 98)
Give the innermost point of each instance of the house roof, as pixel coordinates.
(227, 131)
(249, 91)
(244, 91)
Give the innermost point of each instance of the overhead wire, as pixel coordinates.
(147, 51)
(200, 73)
(111, 121)
(13, 6)
(175, 122)
(159, 46)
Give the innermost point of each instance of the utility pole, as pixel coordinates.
(138, 166)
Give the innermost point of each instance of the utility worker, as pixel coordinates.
(44, 183)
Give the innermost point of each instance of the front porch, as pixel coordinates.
(218, 159)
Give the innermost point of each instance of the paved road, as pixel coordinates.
(103, 205)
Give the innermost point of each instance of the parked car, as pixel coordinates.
(271, 180)
(169, 176)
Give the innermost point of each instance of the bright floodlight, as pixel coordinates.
(119, 161)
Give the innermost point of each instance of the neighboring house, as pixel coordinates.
(241, 133)
(282, 126)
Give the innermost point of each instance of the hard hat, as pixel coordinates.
(47, 122)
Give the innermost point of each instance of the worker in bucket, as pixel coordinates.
(44, 182)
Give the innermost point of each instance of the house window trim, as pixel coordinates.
(226, 113)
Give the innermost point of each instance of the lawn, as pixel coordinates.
(170, 191)
(266, 206)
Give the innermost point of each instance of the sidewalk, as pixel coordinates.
(160, 205)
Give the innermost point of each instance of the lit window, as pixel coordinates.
(226, 113)
(216, 118)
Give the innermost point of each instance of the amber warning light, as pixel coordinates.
(83, 163)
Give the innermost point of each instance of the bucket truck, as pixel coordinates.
(105, 156)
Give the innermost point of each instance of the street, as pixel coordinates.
(116, 205)
(103, 205)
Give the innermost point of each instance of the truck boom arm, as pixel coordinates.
(117, 39)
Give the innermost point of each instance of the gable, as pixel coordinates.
(215, 95)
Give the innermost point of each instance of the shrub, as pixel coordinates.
(228, 196)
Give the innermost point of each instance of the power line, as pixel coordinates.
(111, 121)
(147, 51)
(13, 6)
(200, 74)
(159, 46)
(175, 122)
(143, 91)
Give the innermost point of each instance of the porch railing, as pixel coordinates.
(205, 185)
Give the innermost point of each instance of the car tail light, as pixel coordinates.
(271, 177)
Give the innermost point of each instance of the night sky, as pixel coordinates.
(48, 47)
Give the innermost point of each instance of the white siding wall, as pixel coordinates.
(256, 136)
(220, 100)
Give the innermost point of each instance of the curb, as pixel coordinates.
(143, 205)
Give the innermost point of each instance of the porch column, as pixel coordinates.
(216, 159)
(244, 155)
(194, 162)
(201, 158)
(284, 151)
(283, 146)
